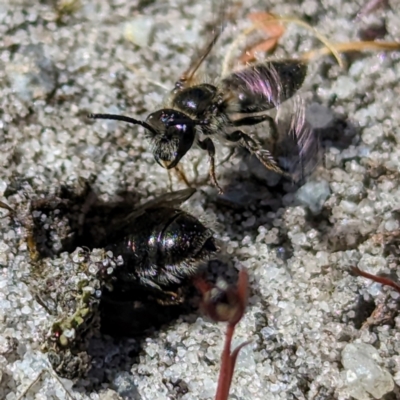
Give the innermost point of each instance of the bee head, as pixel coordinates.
(172, 136)
(171, 132)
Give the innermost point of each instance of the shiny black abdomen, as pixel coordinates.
(138, 243)
(160, 245)
(195, 100)
(262, 87)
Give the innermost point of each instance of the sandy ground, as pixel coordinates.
(309, 318)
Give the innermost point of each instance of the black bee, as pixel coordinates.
(162, 248)
(160, 244)
(156, 244)
(198, 111)
(157, 248)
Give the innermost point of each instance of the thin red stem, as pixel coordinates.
(380, 279)
(226, 371)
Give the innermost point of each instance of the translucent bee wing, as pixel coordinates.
(308, 144)
(166, 200)
(188, 78)
(170, 199)
(298, 148)
(261, 87)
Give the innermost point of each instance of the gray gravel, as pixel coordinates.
(309, 319)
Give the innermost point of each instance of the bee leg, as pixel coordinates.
(255, 148)
(256, 119)
(169, 180)
(228, 157)
(273, 130)
(169, 298)
(149, 284)
(207, 144)
(181, 176)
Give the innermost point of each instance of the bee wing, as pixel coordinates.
(261, 87)
(188, 77)
(298, 149)
(171, 199)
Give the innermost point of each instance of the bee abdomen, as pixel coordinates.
(263, 86)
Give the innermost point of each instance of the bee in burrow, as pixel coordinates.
(155, 245)
(162, 247)
(157, 248)
(160, 244)
(197, 112)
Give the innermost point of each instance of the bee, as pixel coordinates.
(160, 244)
(156, 244)
(129, 270)
(198, 112)
(162, 248)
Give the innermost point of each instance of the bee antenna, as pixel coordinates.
(124, 119)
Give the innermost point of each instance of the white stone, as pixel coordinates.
(363, 374)
(313, 195)
(138, 30)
